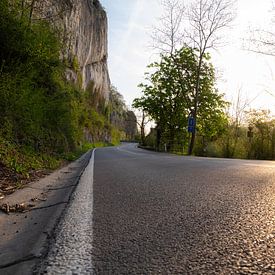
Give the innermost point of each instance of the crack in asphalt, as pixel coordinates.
(29, 257)
(63, 187)
(48, 206)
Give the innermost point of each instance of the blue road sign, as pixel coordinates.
(191, 121)
(191, 124)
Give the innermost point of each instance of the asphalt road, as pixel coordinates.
(142, 212)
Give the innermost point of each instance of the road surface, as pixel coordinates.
(142, 212)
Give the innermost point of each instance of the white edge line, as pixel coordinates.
(92, 183)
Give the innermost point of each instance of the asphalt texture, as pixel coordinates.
(156, 213)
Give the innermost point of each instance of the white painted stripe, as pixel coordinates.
(72, 251)
(122, 149)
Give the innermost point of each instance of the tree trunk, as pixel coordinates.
(192, 143)
(142, 129)
(197, 90)
(158, 138)
(142, 135)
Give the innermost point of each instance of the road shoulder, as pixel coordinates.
(25, 236)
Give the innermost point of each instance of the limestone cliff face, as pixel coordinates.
(83, 26)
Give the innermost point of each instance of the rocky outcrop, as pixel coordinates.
(83, 27)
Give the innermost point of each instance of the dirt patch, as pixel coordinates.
(11, 181)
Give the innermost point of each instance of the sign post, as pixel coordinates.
(250, 136)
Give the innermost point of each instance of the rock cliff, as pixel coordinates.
(83, 26)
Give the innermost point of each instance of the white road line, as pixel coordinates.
(133, 153)
(130, 152)
(72, 251)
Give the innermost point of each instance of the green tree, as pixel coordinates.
(169, 96)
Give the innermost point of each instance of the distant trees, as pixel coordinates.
(170, 92)
(142, 120)
(262, 144)
(236, 121)
(254, 138)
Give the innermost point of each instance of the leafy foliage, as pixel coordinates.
(252, 139)
(169, 97)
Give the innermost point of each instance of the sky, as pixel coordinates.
(130, 23)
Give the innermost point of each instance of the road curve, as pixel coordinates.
(144, 212)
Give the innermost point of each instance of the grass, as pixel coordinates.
(24, 161)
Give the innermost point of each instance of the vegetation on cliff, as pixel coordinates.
(45, 118)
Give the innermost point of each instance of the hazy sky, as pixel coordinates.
(130, 22)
